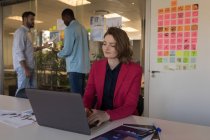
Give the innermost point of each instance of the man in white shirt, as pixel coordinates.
(23, 54)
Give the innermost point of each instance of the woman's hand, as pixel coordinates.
(98, 116)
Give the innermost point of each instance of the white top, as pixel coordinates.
(170, 130)
(23, 48)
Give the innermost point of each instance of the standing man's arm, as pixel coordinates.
(69, 41)
(19, 50)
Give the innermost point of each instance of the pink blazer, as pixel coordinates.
(126, 93)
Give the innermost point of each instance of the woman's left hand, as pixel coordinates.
(98, 115)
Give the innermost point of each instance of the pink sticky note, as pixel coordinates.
(173, 41)
(160, 35)
(160, 17)
(166, 35)
(186, 40)
(160, 53)
(167, 16)
(180, 21)
(160, 23)
(167, 22)
(180, 15)
(179, 34)
(166, 47)
(173, 35)
(187, 14)
(160, 47)
(186, 46)
(194, 34)
(195, 20)
(173, 47)
(179, 47)
(173, 22)
(160, 41)
(194, 40)
(179, 40)
(187, 34)
(195, 13)
(173, 16)
(166, 41)
(187, 21)
(193, 47)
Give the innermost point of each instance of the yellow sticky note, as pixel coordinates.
(178, 53)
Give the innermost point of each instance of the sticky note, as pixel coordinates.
(173, 22)
(193, 60)
(173, 16)
(187, 21)
(173, 41)
(166, 41)
(166, 47)
(172, 59)
(178, 53)
(159, 60)
(167, 10)
(160, 23)
(194, 53)
(167, 16)
(160, 17)
(160, 11)
(160, 41)
(173, 28)
(160, 29)
(173, 9)
(180, 28)
(160, 53)
(194, 40)
(179, 60)
(186, 53)
(186, 60)
(172, 53)
(166, 35)
(195, 7)
(173, 35)
(160, 35)
(194, 34)
(186, 40)
(194, 20)
(187, 28)
(165, 60)
(193, 47)
(194, 27)
(173, 47)
(187, 7)
(186, 34)
(166, 29)
(180, 21)
(160, 47)
(167, 22)
(179, 47)
(188, 14)
(173, 3)
(186, 46)
(166, 53)
(179, 34)
(180, 15)
(180, 8)
(195, 13)
(179, 40)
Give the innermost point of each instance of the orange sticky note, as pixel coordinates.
(188, 7)
(173, 3)
(173, 9)
(194, 27)
(180, 28)
(167, 10)
(180, 8)
(187, 28)
(161, 11)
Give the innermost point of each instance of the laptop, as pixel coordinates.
(59, 110)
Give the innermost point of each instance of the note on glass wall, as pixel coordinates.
(177, 36)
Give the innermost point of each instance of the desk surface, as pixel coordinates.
(170, 130)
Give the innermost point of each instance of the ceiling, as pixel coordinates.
(49, 11)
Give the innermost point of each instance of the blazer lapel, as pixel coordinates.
(101, 79)
(121, 77)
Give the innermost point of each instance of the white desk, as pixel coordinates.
(170, 130)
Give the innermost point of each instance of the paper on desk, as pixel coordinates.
(17, 119)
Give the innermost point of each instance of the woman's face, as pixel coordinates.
(109, 47)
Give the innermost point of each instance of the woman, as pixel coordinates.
(115, 81)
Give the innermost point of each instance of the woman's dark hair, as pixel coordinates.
(122, 46)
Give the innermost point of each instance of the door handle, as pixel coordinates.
(154, 71)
